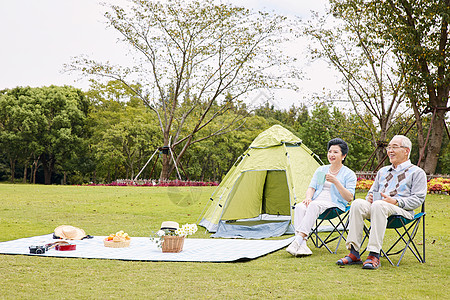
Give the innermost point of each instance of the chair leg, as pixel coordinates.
(323, 242)
(382, 253)
(408, 243)
(341, 235)
(315, 238)
(411, 241)
(423, 239)
(407, 237)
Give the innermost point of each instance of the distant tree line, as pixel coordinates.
(61, 135)
(194, 61)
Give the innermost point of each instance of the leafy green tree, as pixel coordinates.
(350, 39)
(444, 160)
(326, 123)
(417, 32)
(212, 158)
(290, 117)
(315, 132)
(64, 111)
(189, 56)
(45, 123)
(18, 124)
(125, 132)
(4, 167)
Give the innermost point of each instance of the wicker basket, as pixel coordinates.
(172, 244)
(112, 244)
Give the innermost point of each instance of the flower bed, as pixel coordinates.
(363, 184)
(439, 186)
(128, 182)
(435, 186)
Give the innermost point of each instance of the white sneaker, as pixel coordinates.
(303, 250)
(293, 248)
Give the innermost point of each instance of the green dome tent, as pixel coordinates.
(263, 185)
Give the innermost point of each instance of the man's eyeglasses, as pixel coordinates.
(389, 148)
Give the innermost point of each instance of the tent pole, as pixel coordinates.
(135, 178)
(175, 163)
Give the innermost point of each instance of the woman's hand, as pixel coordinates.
(307, 201)
(331, 178)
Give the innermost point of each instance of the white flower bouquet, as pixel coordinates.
(173, 240)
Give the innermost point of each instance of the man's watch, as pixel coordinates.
(396, 202)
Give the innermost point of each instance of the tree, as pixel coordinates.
(64, 111)
(211, 159)
(286, 117)
(351, 41)
(18, 124)
(125, 132)
(328, 122)
(190, 55)
(419, 32)
(45, 124)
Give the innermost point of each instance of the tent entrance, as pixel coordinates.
(257, 207)
(256, 193)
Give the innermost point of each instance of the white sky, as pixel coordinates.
(39, 36)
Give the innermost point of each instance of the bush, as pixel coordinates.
(439, 185)
(435, 186)
(363, 184)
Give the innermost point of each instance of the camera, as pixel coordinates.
(37, 249)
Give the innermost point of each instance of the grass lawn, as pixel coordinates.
(29, 210)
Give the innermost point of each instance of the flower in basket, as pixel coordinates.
(185, 230)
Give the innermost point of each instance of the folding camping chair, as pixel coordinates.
(406, 230)
(340, 227)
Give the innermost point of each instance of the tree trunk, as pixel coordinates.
(47, 174)
(48, 164)
(35, 168)
(165, 167)
(25, 172)
(166, 159)
(434, 142)
(12, 165)
(32, 173)
(380, 153)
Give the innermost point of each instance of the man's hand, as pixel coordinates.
(388, 199)
(370, 198)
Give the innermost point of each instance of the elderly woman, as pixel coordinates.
(332, 185)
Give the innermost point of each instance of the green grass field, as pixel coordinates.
(28, 210)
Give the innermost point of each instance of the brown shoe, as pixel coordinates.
(350, 259)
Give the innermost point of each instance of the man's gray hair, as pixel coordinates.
(406, 142)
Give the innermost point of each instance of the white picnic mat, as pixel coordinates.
(142, 249)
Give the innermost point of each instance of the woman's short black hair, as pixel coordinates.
(341, 143)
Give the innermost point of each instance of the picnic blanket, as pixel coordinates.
(142, 249)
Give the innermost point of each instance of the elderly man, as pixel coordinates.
(398, 189)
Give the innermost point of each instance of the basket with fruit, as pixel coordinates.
(120, 239)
